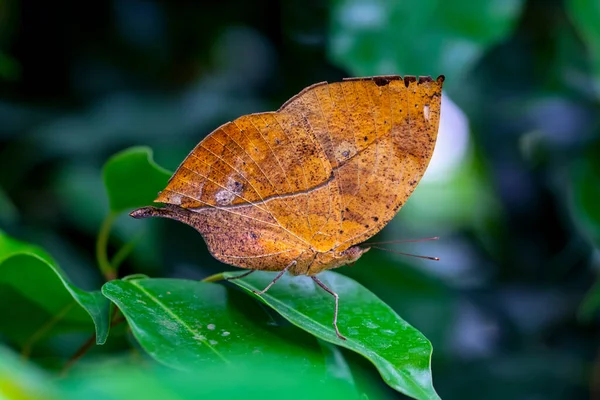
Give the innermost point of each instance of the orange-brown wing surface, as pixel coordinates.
(378, 135)
(326, 171)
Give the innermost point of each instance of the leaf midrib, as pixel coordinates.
(195, 334)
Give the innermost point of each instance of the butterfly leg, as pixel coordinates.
(245, 274)
(335, 314)
(279, 275)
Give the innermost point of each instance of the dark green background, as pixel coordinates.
(509, 309)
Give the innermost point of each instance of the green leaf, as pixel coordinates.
(118, 379)
(36, 298)
(585, 15)
(19, 380)
(133, 179)
(336, 364)
(424, 300)
(400, 352)
(244, 380)
(418, 37)
(188, 325)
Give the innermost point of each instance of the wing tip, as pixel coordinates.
(380, 80)
(383, 80)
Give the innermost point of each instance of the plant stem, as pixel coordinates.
(107, 270)
(79, 353)
(44, 329)
(214, 278)
(115, 320)
(123, 253)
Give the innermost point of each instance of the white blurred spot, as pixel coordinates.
(363, 15)
(452, 143)
(211, 327)
(371, 325)
(426, 112)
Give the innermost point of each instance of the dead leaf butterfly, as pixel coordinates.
(300, 188)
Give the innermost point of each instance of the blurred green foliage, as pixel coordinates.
(515, 197)
(131, 178)
(48, 302)
(585, 15)
(429, 36)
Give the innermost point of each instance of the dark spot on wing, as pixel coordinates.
(408, 79)
(381, 81)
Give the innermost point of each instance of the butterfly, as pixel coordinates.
(299, 189)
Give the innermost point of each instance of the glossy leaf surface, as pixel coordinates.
(36, 298)
(188, 325)
(399, 351)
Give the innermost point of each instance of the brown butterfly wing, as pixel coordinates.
(249, 184)
(378, 134)
(327, 171)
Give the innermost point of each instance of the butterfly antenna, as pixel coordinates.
(405, 254)
(403, 241)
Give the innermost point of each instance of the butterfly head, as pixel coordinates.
(334, 259)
